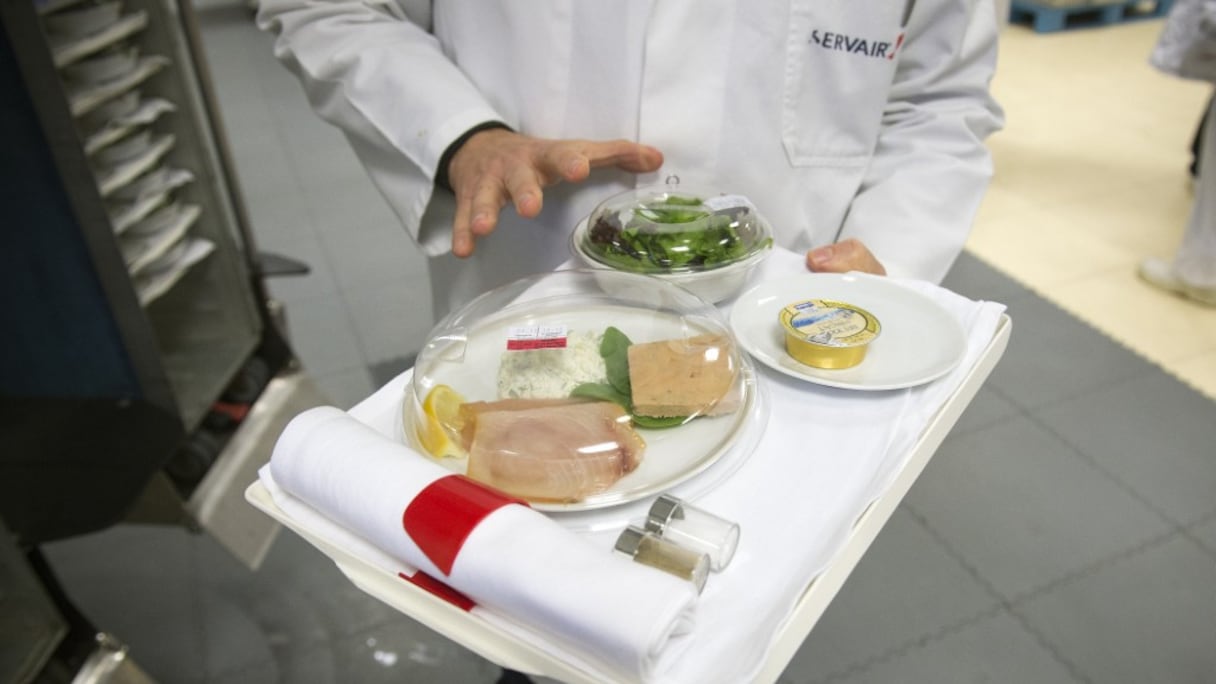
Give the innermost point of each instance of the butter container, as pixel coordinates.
(828, 334)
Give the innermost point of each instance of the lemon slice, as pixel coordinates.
(439, 432)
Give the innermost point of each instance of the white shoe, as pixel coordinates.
(1160, 274)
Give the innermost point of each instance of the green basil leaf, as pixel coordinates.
(601, 391)
(614, 347)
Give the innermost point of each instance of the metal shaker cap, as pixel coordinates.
(664, 509)
(630, 540)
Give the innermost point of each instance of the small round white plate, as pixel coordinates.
(920, 341)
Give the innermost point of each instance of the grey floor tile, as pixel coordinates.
(129, 547)
(404, 651)
(345, 388)
(139, 583)
(233, 639)
(318, 152)
(279, 218)
(300, 597)
(906, 588)
(387, 370)
(972, 277)
(366, 259)
(380, 225)
(283, 91)
(263, 168)
(317, 283)
(1147, 617)
(1024, 510)
(1205, 533)
(322, 335)
(230, 45)
(391, 320)
(346, 203)
(243, 109)
(987, 408)
(994, 650)
(310, 664)
(1053, 356)
(258, 673)
(1158, 436)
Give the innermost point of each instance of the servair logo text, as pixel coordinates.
(866, 47)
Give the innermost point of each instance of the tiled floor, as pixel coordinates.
(1065, 531)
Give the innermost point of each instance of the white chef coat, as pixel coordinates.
(837, 118)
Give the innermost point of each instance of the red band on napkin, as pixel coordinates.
(443, 515)
(437, 588)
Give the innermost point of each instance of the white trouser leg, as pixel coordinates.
(1195, 260)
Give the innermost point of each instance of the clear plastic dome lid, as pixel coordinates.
(671, 229)
(580, 389)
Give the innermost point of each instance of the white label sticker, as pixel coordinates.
(721, 202)
(536, 337)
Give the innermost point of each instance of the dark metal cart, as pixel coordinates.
(127, 393)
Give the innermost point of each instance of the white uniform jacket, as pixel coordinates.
(838, 118)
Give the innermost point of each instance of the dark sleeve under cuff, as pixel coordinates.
(441, 173)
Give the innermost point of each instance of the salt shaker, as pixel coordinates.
(693, 528)
(650, 549)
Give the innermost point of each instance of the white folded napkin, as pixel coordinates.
(517, 563)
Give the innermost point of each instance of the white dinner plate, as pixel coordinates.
(672, 455)
(920, 341)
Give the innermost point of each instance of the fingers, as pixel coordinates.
(567, 161)
(572, 161)
(842, 257)
(643, 159)
(462, 231)
(476, 215)
(628, 156)
(523, 186)
(497, 167)
(488, 200)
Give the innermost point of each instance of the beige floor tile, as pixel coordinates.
(1161, 326)
(1198, 372)
(1000, 203)
(1147, 218)
(1047, 249)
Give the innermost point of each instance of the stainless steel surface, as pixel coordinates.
(110, 663)
(218, 504)
(30, 625)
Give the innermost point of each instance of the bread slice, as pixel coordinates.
(684, 377)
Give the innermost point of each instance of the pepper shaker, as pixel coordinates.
(650, 549)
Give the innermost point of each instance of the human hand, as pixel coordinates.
(842, 257)
(498, 166)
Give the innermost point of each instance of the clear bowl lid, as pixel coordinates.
(672, 229)
(580, 388)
